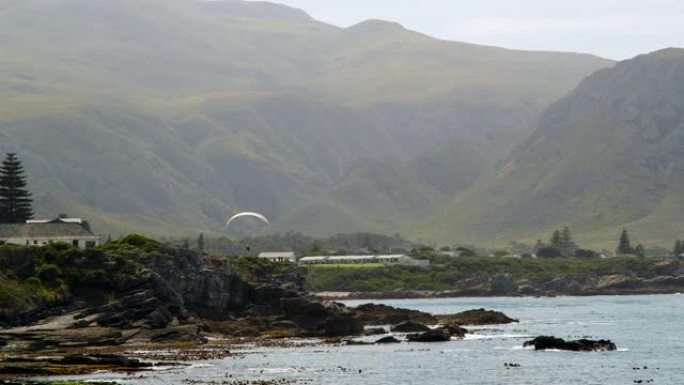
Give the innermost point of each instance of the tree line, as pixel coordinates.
(562, 244)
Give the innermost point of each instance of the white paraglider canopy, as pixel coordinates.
(247, 214)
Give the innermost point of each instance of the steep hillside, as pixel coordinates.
(608, 155)
(166, 116)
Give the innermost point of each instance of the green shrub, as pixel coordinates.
(140, 241)
(62, 246)
(49, 273)
(34, 281)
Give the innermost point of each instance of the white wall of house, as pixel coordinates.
(80, 243)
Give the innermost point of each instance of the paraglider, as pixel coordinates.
(261, 217)
(246, 214)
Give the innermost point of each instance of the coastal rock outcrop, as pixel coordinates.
(387, 340)
(140, 289)
(409, 327)
(375, 314)
(434, 335)
(476, 317)
(582, 345)
(455, 330)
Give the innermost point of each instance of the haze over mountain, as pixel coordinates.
(166, 116)
(608, 155)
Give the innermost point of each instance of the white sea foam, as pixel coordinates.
(494, 336)
(520, 347)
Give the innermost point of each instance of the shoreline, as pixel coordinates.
(427, 294)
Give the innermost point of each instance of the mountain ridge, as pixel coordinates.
(603, 157)
(126, 119)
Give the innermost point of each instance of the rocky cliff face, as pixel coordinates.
(176, 294)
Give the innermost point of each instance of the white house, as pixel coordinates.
(280, 256)
(44, 232)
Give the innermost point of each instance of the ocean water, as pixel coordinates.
(648, 330)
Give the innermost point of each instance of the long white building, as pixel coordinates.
(279, 256)
(392, 259)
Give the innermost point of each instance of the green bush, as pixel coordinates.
(141, 242)
(49, 273)
(34, 281)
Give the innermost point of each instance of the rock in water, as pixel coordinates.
(435, 335)
(342, 324)
(456, 330)
(583, 345)
(373, 314)
(477, 317)
(409, 327)
(387, 340)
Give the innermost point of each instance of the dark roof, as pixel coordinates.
(44, 230)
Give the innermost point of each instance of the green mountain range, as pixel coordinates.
(167, 116)
(608, 155)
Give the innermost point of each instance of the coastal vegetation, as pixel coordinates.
(31, 277)
(446, 273)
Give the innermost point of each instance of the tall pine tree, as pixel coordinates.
(556, 240)
(624, 245)
(200, 243)
(15, 198)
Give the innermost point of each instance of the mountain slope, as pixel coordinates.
(608, 155)
(164, 116)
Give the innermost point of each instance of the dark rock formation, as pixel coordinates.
(387, 340)
(341, 324)
(372, 314)
(455, 330)
(71, 365)
(476, 317)
(435, 335)
(583, 345)
(503, 284)
(306, 313)
(101, 360)
(283, 325)
(409, 327)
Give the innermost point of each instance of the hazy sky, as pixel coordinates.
(616, 29)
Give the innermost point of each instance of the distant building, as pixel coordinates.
(280, 256)
(393, 259)
(45, 232)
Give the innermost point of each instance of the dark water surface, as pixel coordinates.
(649, 332)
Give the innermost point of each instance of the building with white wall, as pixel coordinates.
(279, 256)
(393, 259)
(45, 232)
